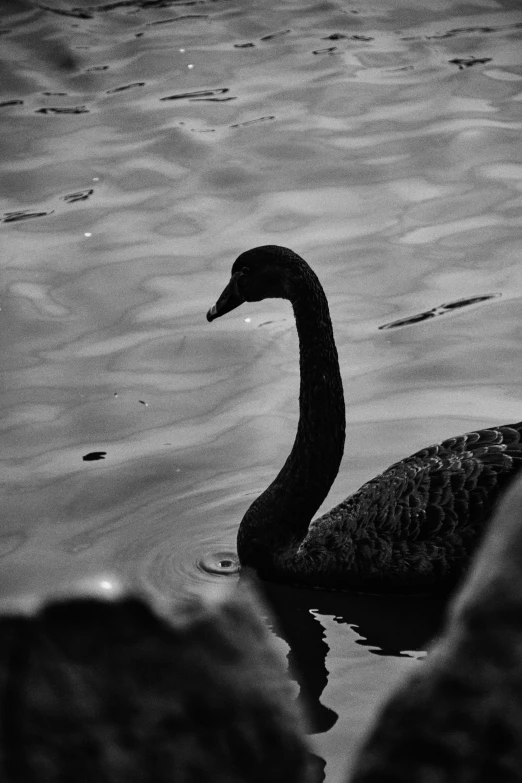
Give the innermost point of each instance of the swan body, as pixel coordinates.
(458, 719)
(411, 529)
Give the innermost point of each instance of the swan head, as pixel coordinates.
(267, 272)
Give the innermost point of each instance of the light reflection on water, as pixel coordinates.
(379, 141)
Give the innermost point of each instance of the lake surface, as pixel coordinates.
(379, 140)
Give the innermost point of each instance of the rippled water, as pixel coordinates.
(381, 141)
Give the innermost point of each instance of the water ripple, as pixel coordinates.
(443, 309)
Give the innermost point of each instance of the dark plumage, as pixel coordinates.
(414, 527)
(458, 719)
(99, 692)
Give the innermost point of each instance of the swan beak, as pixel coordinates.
(229, 300)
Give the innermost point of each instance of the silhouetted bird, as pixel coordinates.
(414, 527)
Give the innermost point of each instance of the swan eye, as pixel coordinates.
(245, 270)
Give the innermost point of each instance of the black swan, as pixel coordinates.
(411, 529)
(458, 719)
(93, 690)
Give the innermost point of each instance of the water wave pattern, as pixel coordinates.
(444, 309)
(141, 155)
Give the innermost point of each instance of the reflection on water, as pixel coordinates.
(381, 142)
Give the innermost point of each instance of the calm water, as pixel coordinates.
(381, 141)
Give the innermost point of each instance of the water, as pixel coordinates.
(379, 140)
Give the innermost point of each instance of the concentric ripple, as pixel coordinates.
(223, 563)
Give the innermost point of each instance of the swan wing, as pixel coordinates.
(440, 490)
(419, 520)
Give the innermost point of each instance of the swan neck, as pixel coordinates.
(279, 518)
(319, 443)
